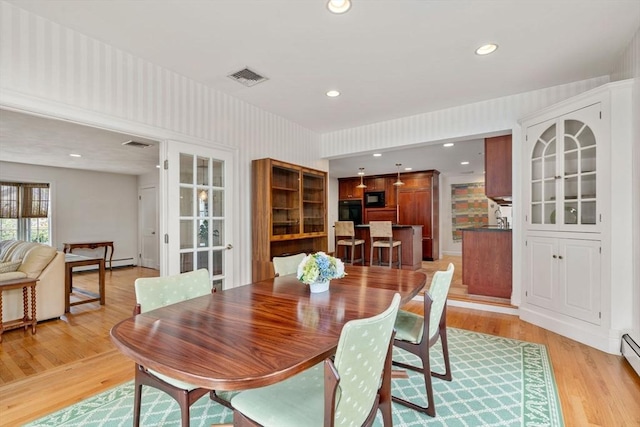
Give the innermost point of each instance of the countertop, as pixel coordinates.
(491, 228)
(392, 226)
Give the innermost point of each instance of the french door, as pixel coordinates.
(198, 205)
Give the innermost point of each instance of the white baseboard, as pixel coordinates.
(586, 333)
(475, 306)
(631, 351)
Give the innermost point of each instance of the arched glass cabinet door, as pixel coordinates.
(579, 173)
(564, 173)
(544, 177)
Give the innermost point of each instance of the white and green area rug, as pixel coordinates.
(496, 382)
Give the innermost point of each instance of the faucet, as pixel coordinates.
(499, 218)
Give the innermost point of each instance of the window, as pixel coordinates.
(24, 212)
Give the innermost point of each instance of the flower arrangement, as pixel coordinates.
(320, 267)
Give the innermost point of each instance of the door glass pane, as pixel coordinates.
(203, 232)
(218, 173)
(186, 201)
(202, 177)
(549, 213)
(536, 214)
(186, 168)
(217, 202)
(186, 233)
(203, 260)
(217, 232)
(571, 213)
(186, 262)
(588, 212)
(588, 160)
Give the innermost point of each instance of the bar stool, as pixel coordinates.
(346, 236)
(381, 234)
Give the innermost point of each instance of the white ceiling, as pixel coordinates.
(388, 58)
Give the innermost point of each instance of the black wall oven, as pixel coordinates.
(350, 210)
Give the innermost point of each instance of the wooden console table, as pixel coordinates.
(26, 321)
(69, 247)
(71, 261)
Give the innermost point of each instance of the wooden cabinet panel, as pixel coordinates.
(486, 262)
(375, 184)
(347, 189)
(289, 212)
(497, 167)
(383, 214)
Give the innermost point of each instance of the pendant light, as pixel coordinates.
(398, 182)
(361, 173)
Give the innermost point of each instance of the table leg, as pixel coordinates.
(101, 282)
(110, 258)
(1, 326)
(67, 287)
(33, 310)
(25, 307)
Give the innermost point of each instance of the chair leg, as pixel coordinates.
(353, 252)
(183, 402)
(430, 409)
(137, 402)
(400, 257)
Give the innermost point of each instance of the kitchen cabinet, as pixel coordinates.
(289, 212)
(497, 169)
(486, 262)
(378, 183)
(348, 189)
(418, 203)
(565, 276)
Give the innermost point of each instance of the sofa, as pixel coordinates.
(19, 259)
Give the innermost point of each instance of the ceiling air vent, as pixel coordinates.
(247, 77)
(136, 144)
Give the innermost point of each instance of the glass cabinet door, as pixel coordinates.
(563, 171)
(285, 201)
(313, 203)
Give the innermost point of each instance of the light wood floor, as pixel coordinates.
(73, 358)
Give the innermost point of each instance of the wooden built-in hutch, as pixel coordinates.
(289, 212)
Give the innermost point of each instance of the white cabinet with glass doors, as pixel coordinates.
(565, 171)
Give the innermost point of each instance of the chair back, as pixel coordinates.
(284, 265)
(156, 292)
(359, 360)
(344, 229)
(380, 229)
(440, 284)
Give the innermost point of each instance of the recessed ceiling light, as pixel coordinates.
(408, 169)
(377, 155)
(333, 93)
(75, 155)
(338, 6)
(464, 163)
(486, 49)
(448, 144)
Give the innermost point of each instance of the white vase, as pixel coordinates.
(318, 287)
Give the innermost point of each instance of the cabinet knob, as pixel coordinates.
(559, 256)
(554, 257)
(557, 177)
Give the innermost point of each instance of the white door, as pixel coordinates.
(199, 223)
(149, 242)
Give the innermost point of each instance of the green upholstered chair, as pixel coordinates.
(417, 336)
(156, 292)
(346, 391)
(284, 265)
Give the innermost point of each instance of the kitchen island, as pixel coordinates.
(486, 261)
(409, 235)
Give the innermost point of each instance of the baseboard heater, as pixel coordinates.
(631, 351)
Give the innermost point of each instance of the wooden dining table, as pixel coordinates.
(259, 334)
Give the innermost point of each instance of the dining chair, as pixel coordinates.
(347, 390)
(381, 235)
(156, 292)
(284, 265)
(345, 235)
(417, 334)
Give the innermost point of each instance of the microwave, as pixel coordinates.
(374, 199)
